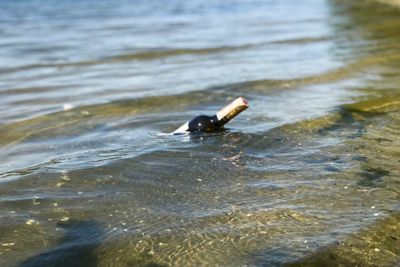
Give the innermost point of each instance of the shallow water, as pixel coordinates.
(88, 177)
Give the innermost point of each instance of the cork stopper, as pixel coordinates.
(232, 110)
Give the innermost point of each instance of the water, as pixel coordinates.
(308, 175)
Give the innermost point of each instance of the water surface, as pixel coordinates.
(308, 175)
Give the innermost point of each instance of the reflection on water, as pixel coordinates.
(307, 176)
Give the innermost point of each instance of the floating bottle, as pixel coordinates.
(204, 123)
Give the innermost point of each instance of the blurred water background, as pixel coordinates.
(307, 176)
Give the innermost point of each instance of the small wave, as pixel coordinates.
(342, 73)
(162, 53)
(137, 56)
(382, 104)
(307, 40)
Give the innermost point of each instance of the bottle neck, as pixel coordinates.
(231, 110)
